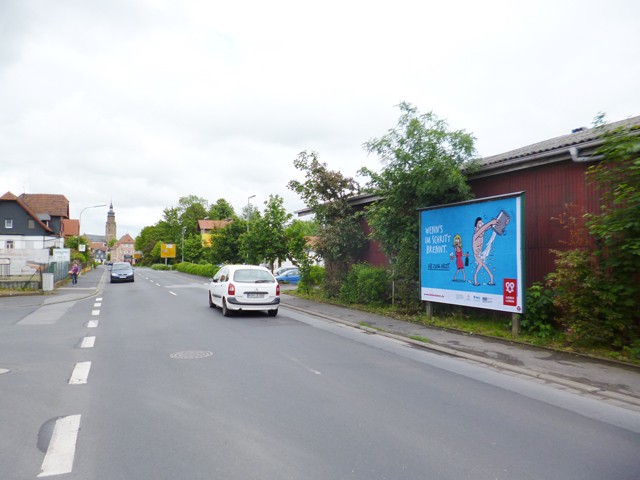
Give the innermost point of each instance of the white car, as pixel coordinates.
(244, 287)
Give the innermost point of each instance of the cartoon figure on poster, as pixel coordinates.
(457, 254)
(481, 256)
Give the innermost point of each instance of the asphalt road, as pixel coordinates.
(145, 381)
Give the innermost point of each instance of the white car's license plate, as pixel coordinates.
(255, 295)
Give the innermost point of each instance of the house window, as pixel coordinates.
(10, 244)
(8, 223)
(32, 224)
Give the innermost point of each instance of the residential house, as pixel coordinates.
(25, 239)
(51, 209)
(124, 249)
(70, 227)
(206, 227)
(98, 251)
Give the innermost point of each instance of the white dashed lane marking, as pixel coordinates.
(62, 447)
(92, 323)
(88, 342)
(80, 373)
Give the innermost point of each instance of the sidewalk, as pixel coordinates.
(89, 283)
(611, 381)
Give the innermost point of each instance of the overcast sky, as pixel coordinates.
(141, 102)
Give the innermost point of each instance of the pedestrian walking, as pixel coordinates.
(74, 273)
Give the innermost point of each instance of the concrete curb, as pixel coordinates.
(546, 377)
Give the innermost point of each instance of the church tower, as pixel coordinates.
(110, 229)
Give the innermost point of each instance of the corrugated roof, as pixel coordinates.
(586, 137)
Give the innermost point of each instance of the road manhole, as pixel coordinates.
(191, 354)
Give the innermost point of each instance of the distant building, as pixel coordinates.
(205, 227)
(123, 250)
(110, 227)
(99, 251)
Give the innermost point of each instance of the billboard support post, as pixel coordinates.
(429, 311)
(515, 324)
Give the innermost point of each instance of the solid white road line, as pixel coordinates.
(88, 342)
(62, 447)
(80, 373)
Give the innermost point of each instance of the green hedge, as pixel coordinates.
(160, 266)
(207, 270)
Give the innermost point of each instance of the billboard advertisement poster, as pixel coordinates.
(471, 253)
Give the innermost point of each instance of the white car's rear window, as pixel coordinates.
(252, 276)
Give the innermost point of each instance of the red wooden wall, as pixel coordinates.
(549, 190)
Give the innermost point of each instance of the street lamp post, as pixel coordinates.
(183, 229)
(249, 210)
(80, 217)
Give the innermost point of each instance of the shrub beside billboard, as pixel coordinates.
(471, 253)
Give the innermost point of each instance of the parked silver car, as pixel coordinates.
(244, 287)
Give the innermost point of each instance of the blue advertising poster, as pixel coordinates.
(471, 254)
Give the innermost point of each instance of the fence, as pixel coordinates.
(60, 270)
(32, 280)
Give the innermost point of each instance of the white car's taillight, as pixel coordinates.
(277, 289)
(231, 291)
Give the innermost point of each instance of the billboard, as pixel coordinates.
(471, 253)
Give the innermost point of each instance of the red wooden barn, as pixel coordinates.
(552, 175)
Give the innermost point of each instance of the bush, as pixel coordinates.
(539, 319)
(311, 278)
(593, 308)
(160, 266)
(206, 270)
(366, 285)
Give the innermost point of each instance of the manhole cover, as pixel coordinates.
(191, 354)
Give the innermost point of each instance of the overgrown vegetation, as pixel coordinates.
(597, 279)
(366, 285)
(327, 192)
(423, 163)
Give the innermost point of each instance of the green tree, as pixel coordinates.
(193, 249)
(191, 209)
(221, 210)
(74, 244)
(145, 243)
(267, 234)
(225, 243)
(423, 163)
(340, 238)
